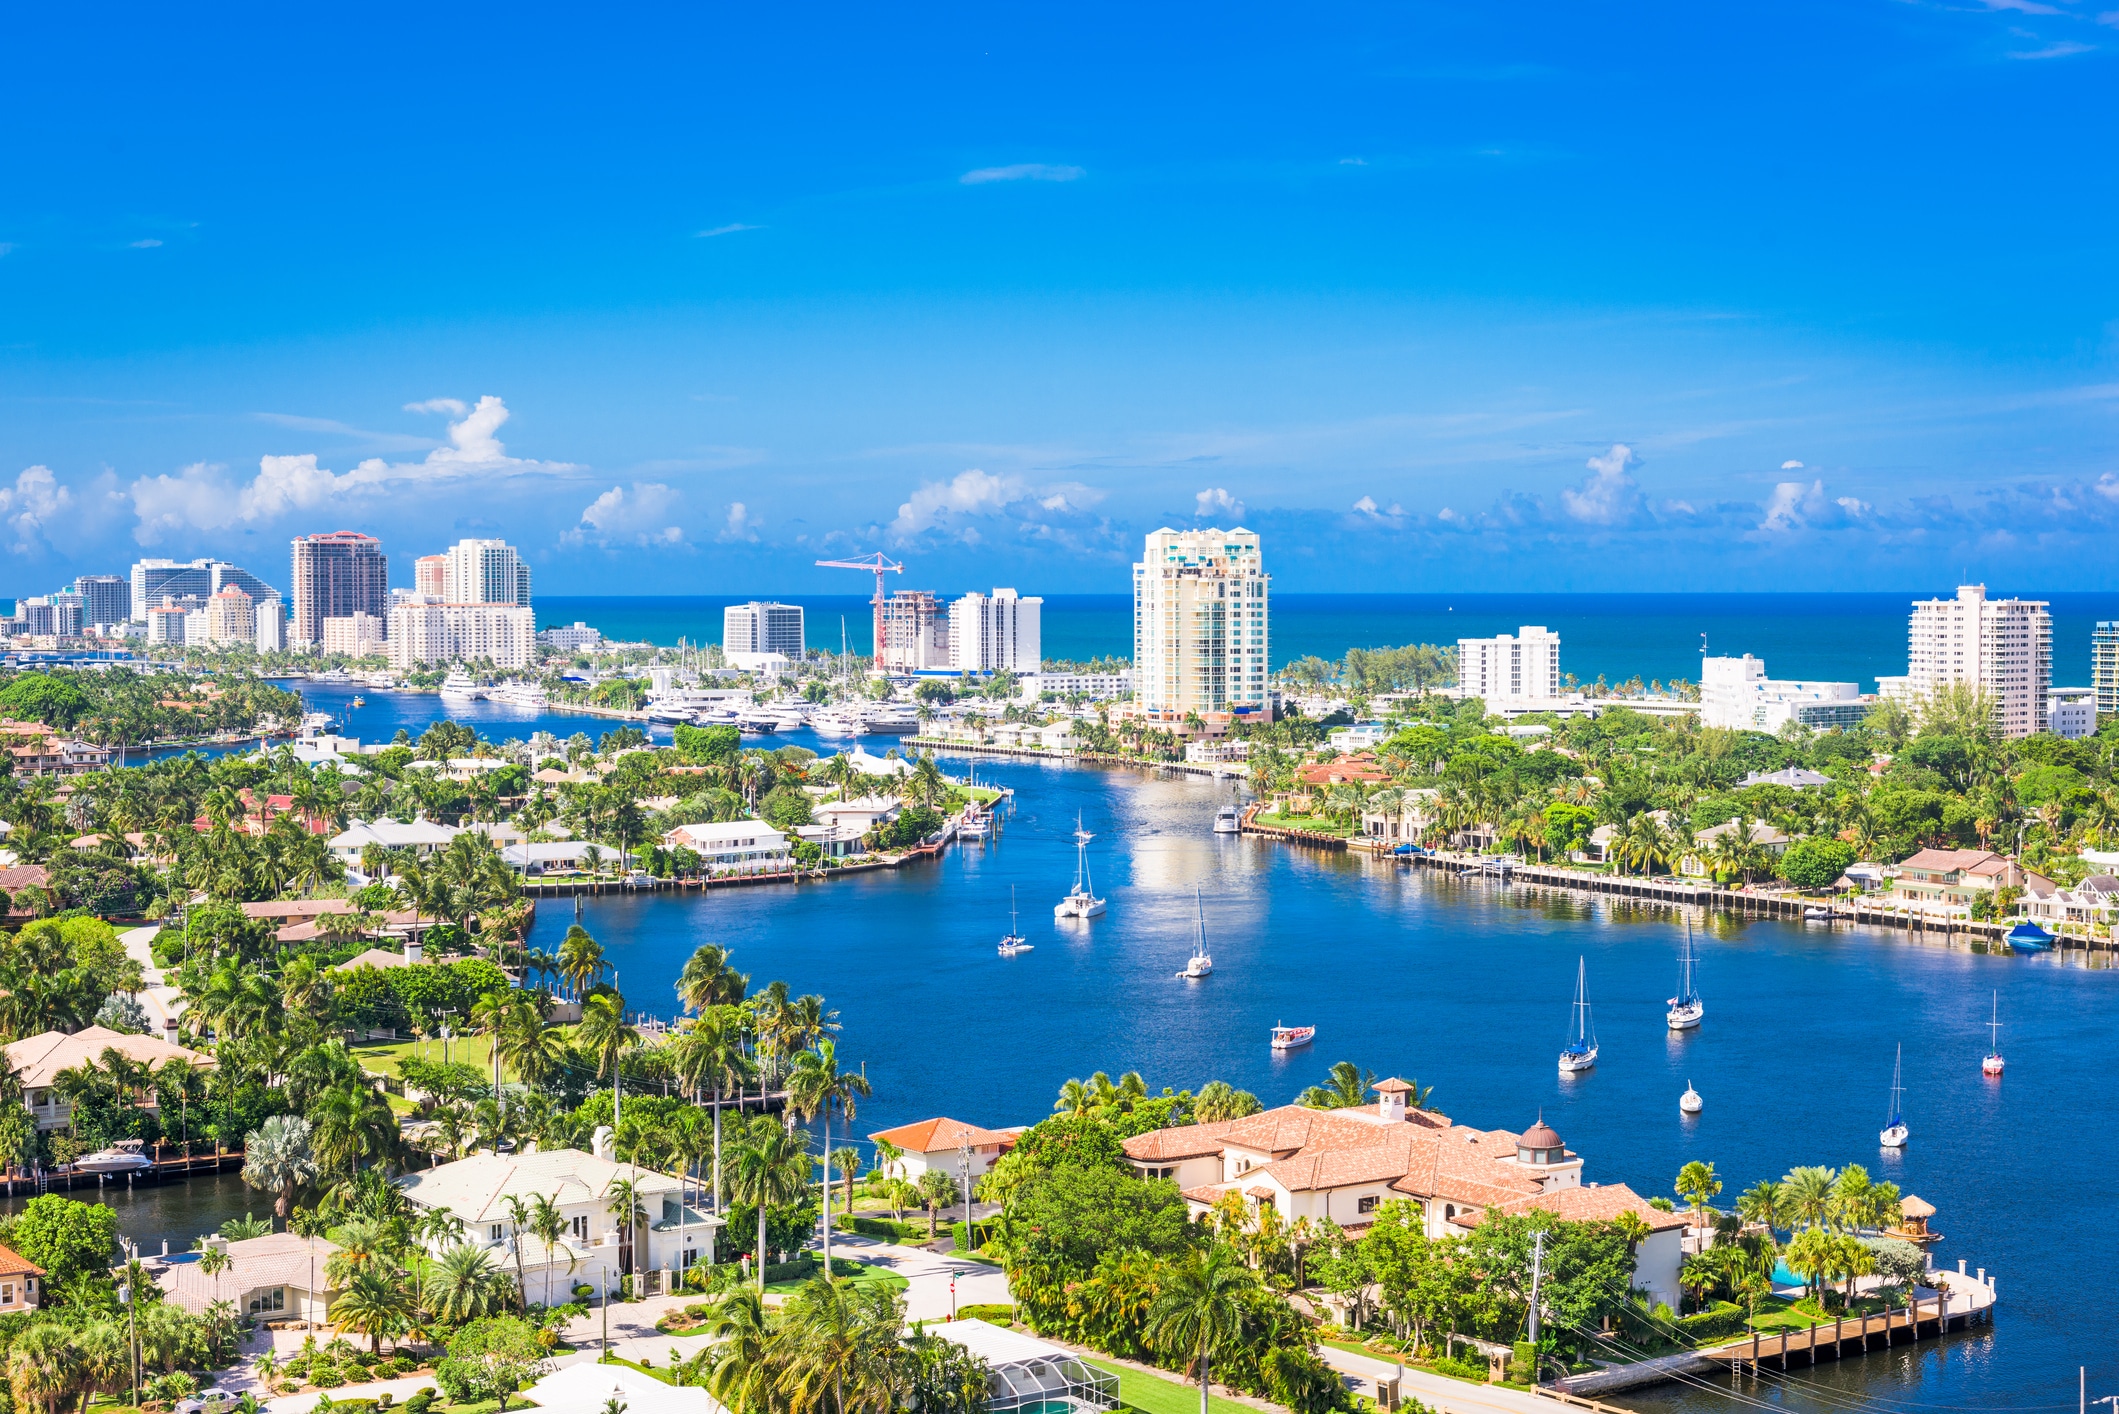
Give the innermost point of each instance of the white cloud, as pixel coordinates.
(643, 516)
(1353, 162)
(1021, 172)
(199, 496)
(1610, 496)
(1791, 466)
(2107, 486)
(2062, 49)
(1366, 505)
(1213, 501)
(729, 230)
(969, 493)
(28, 506)
(742, 525)
(1794, 506)
(149, 244)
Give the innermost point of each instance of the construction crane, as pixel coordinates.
(878, 565)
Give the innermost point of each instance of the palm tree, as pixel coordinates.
(518, 1224)
(1763, 1203)
(1218, 1100)
(1074, 1098)
(626, 1206)
(1806, 1196)
(1199, 1311)
(43, 1367)
(548, 1224)
(936, 1190)
(463, 1285)
(710, 1056)
(374, 1304)
(277, 1159)
(741, 1373)
(580, 959)
(708, 980)
(1697, 1185)
(1347, 1088)
(604, 1030)
(770, 1167)
(353, 1125)
(815, 1088)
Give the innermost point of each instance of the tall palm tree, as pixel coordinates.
(1763, 1203)
(1806, 1196)
(771, 1167)
(709, 981)
(740, 1371)
(462, 1285)
(625, 1205)
(815, 1089)
(604, 1030)
(1199, 1311)
(548, 1224)
(278, 1159)
(580, 960)
(1347, 1088)
(710, 1056)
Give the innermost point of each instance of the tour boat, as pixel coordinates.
(1580, 1053)
(1082, 902)
(1228, 821)
(1686, 1008)
(123, 1157)
(1690, 1102)
(1992, 1065)
(461, 684)
(1287, 1038)
(1013, 942)
(1200, 963)
(1895, 1132)
(2029, 937)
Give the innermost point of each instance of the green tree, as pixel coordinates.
(67, 1239)
(1697, 1185)
(1199, 1311)
(1347, 1088)
(771, 1167)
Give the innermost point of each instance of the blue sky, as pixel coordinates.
(1653, 297)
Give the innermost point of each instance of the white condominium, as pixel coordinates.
(356, 635)
(2001, 646)
(993, 633)
(762, 627)
(1736, 693)
(483, 572)
(424, 630)
(1505, 669)
(1200, 623)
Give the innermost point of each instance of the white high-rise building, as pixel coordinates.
(1508, 668)
(272, 627)
(762, 627)
(1736, 693)
(484, 572)
(993, 633)
(2002, 646)
(1200, 623)
(422, 630)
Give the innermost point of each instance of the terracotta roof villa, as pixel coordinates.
(1344, 1164)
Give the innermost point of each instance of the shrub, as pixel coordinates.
(995, 1311)
(1722, 1319)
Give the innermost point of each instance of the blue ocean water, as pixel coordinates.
(1835, 637)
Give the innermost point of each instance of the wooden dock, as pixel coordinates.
(1923, 1320)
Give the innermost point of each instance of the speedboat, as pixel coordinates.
(2029, 937)
(1228, 821)
(1690, 1102)
(1817, 915)
(1201, 963)
(1288, 1038)
(1580, 1052)
(123, 1157)
(1895, 1132)
(1082, 901)
(1012, 942)
(1993, 1063)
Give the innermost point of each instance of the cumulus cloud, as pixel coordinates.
(1795, 506)
(968, 493)
(1213, 501)
(1609, 496)
(1791, 466)
(643, 516)
(741, 525)
(200, 496)
(1021, 172)
(27, 508)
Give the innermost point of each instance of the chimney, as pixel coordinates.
(169, 1029)
(604, 1144)
(414, 949)
(1390, 1100)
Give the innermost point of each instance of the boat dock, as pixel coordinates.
(165, 1161)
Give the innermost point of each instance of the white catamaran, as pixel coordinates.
(1201, 962)
(1895, 1132)
(1686, 1008)
(1580, 1053)
(1082, 902)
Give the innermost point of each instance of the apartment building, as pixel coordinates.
(1201, 625)
(761, 627)
(356, 635)
(1510, 668)
(423, 630)
(485, 572)
(2104, 667)
(231, 618)
(105, 598)
(1736, 693)
(992, 633)
(912, 633)
(336, 574)
(2001, 646)
(430, 575)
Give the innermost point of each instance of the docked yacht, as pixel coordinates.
(892, 719)
(462, 686)
(1228, 821)
(757, 721)
(838, 722)
(125, 1156)
(519, 694)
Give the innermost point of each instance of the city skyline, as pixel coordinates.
(1544, 297)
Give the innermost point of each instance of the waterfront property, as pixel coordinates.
(734, 847)
(1344, 1164)
(421, 835)
(1028, 1374)
(1698, 863)
(37, 1062)
(19, 1281)
(943, 1145)
(277, 1277)
(1946, 881)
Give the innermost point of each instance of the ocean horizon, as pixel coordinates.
(1818, 637)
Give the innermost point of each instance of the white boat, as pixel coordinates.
(1288, 1038)
(1993, 1063)
(788, 718)
(1228, 821)
(757, 721)
(1082, 902)
(1580, 1052)
(462, 686)
(1690, 1102)
(973, 826)
(1818, 915)
(518, 694)
(836, 722)
(1201, 962)
(1895, 1133)
(1686, 1008)
(1013, 943)
(890, 719)
(123, 1157)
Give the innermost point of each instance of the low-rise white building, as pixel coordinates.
(357, 635)
(421, 835)
(2073, 713)
(278, 1277)
(1736, 694)
(856, 817)
(1096, 687)
(734, 847)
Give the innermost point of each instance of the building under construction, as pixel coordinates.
(912, 633)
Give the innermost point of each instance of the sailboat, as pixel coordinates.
(1993, 1063)
(1690, 1102)
(1013, 942)
(1686, 1008)
(1895, 1131)
(1201, 963)
(1082, 902)
(1580, 1052)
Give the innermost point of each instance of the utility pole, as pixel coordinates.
(970, 1238)
(617, 1068)
(1537, 1272)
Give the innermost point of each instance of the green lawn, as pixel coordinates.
(382, 1057)
(1315, 823)
(869, 1275)
(1152, 1394)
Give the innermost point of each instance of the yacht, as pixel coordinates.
(1082, 902)
(757, 721)
(1012, 942)
(1895, 1132)
(837, 722)
(1580, 1052)
(1201, 962)
(518, 694)
(123, 1157)
(1288, 1038)
(892, 719)
(1690, 1102)
(788, 717)
(462, 686)
(1993, 1064)
(1686, 1008)
(1228, 821)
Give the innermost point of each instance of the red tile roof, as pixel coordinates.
(14, 1264)
(931, 1136)
(1588, 1202)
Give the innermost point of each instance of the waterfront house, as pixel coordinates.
(277, 1277)
(1344, 1164)
(2092, 901)
(421, 835)
(734, 847)
(1944, 882)
(596, 1247)
(533, 858)
(38, 1061)
(19, 1281)
(943, 1144)
(834, 840)
(858, 816)
(1695, 864)
(1415, 812)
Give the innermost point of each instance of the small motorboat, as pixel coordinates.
(1012, 942)
(1288, 1038)
(1690, 1102)
(123, 1157)
(2029, 937)
(1201, 963)
(1228, 821)
(360, 701)
(1580, 1052)
(1818, 915)
(1895, 1133)
(1993, 1063)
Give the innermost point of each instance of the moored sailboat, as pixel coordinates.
(1082, 901)
(1580, 1052)
(1012, 942)
(1895, 1132)
(1201, 962)
(1686, 1008)
(1993, 1063)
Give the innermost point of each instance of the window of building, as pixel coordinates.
(1366, 1205)
(581, 1227)
(265, 1303)
(494, 1232)
(7, 1293)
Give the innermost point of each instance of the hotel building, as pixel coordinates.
(2001, 646)
(1736, 693)
(337, 574)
